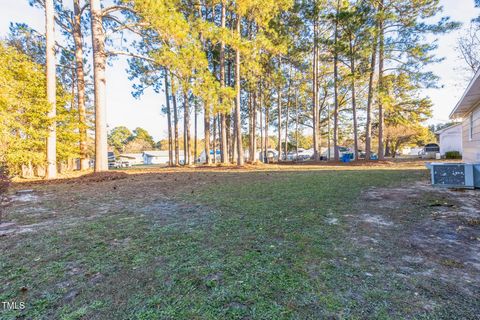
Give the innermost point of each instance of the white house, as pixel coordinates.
(202, 158)
(411, 151)
(131, 158)
(450, 138)
(468, 110)
(159, 157)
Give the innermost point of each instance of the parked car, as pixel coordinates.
(303, 154)
(362, 155)
(429, 151)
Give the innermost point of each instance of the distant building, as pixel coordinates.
(450, 138)
(131, 158)
(159, 157)
(203, 159)
(468, 109)
(411, 151)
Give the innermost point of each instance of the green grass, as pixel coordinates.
(261, 248)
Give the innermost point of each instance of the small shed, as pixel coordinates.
(450, 138)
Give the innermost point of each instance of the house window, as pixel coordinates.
(471, 127)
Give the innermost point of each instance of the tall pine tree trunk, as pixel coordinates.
(288, 112)
(316, 151)
(188, 143)
(214, 140)
(206, 123)
(266, 134)
(51, 172)
(80, 75)
(354, 102)
(296, 125)
(175, 120)
(250, 126)
(223, 122)
(100, 86)
(185, 141)
(169, 120)
(368, 130)
(254, 128)
(262, 158)
(381, 88)
(335, 90)
(195, 150)
(279, 105)
(230, 117)
(238, 120)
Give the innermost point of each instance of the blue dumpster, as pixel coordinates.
(346, 157)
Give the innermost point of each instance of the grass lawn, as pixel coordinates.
(300, 244)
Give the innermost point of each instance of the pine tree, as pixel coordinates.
(51, 172)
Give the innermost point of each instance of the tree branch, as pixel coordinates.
(108, 10)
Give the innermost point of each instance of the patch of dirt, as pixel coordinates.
(62, 204)
(332, 221)
(94, 177)
(10, 228)
(24, 196)
(377, 220)
(424, 235)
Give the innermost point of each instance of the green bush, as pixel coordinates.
(453, 155)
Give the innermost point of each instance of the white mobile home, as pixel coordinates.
(159, 157)
(131, 158)
(468, 110)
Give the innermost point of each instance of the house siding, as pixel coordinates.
(471, 145)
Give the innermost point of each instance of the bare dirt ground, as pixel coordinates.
(426, 235)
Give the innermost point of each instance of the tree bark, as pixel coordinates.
(223, 122)
(175, 120)
(354, 101)
(381, 88)
(80, 75)
(296, 124)
(266, 134)
(335, 89)
(214, 140)
(368, 131)
(206, 124)
(185, 140)
(51, 172)
(254, 128)
(238, 123)
(169, 120)
(230, 118)
(187, 129)
(316, 151)
(195, 150)
(99, 63)
(288, 112)
(262, 158)
(250, 126)
(279, 105)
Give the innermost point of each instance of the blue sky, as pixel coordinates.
(123, 109)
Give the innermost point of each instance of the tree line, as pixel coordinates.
(341, 72)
